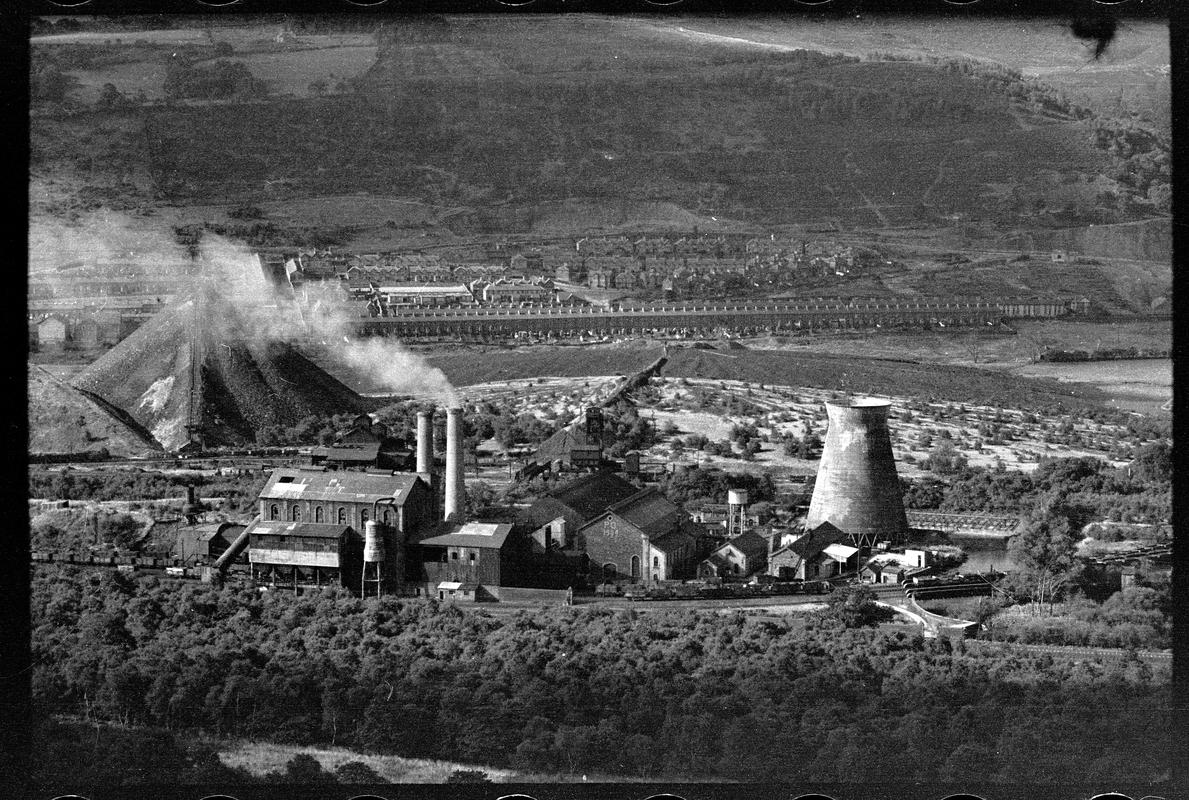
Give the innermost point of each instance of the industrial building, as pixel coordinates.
(643, 538)
(319, 515)
(367, 445)
(820, 553)
(468, 558)
(578, 447)
(204, 543)
(304, 554)
(555, 517)
(377, 531)
(740, 557)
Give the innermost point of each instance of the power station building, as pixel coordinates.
(308, 532)
(644, 538)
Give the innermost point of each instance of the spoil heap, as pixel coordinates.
(202, 371)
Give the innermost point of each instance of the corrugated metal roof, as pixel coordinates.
(840, 552)
(350, 487)
(318, 530)
(473, 534)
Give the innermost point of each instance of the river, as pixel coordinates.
(983, 553)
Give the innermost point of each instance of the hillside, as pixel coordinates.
(929, 381)
(497, 125)
(63, 420)
(200, 364)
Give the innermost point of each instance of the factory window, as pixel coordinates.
(453, 555)
(274, 512)
(318, 514)
(471, 557)
(342, 516)
(635, 566)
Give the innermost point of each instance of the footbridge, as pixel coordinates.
(705, 318)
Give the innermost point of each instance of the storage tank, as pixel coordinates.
(736, 511)
(373, 559)
(857, 488)
(373, 542)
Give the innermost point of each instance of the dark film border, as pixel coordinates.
(13, 737)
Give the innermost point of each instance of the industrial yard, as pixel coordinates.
(724, 430)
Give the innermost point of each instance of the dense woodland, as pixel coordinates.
(575, 690)
(1088, 488)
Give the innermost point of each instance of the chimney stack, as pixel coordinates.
(424, 443)
(455, 510)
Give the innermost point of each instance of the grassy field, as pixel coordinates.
(260, 758)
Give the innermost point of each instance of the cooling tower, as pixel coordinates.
(455, 502)
(424, 443)
(857, 489)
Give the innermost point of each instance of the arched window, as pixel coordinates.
(342, 516)
(296, 514)
(274, 512)
(317, 513)
(609, 571)
(386, 512)
(363, 516)
(656, 562)
(635, 567)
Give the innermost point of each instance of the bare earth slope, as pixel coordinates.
(63, 420)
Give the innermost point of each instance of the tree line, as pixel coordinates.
(1089, 488)
(586, 689)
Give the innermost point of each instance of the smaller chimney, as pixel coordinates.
(424, 442)
(191, 508)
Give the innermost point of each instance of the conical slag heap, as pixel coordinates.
(857, 489)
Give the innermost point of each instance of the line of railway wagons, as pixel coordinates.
(696, 591)
(170, 566)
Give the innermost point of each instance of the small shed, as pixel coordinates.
(85, 335)
(457, 590)
(51, 332)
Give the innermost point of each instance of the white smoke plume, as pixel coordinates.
(233, 273)
(321, 314)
